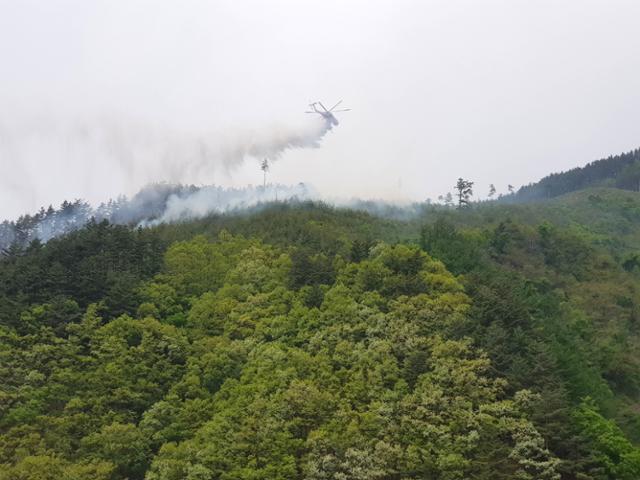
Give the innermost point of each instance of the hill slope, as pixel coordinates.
(621, 171)
(304, 341)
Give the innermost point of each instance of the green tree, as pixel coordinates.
(121, 445)
(611, 449)
(465, 191)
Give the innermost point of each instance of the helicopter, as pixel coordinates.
(328, 115)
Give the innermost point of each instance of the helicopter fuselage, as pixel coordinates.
(326, 114)
(329, 117)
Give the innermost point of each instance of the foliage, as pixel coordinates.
(494, 342)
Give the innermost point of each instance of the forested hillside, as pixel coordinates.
(619, 171)
(309, 342)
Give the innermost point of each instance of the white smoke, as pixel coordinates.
(213, 199)
(169, 203)
(153, 205)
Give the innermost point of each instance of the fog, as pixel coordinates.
(99, 98)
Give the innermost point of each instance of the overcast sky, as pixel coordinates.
(494, 91)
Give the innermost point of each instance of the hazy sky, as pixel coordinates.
(494, 91)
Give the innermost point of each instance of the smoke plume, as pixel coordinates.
(168, 203)
(153, 205)
(213, 199)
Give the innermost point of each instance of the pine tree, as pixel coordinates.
(465, 191)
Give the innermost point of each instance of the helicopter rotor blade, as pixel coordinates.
(331, 109)
(342, 110)
(325, 108)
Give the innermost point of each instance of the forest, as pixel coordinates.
(305, 341)
(619, 171)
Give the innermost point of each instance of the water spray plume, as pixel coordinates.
(142, 153)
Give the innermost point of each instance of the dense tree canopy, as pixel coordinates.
(305, 342)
